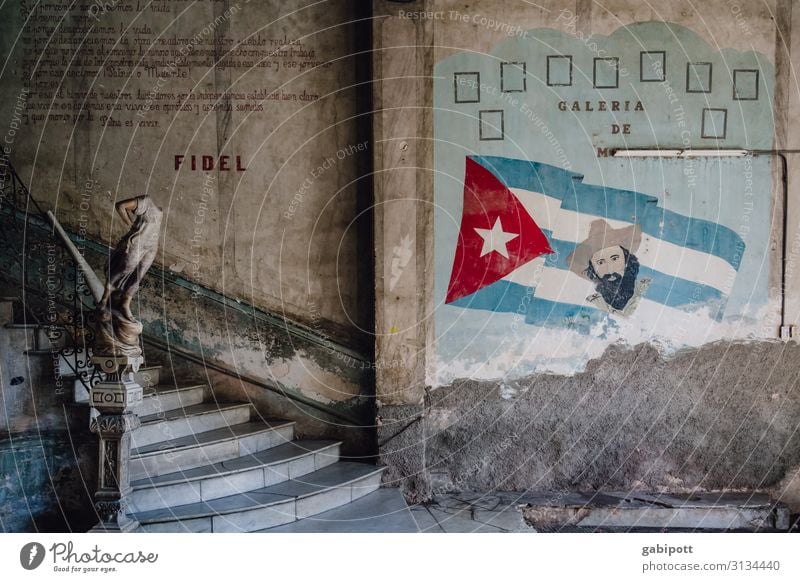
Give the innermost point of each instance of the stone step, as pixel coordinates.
(22, 337)
(240, 475)
(187, 421)
(189, 452)
(43, 338)
(148, 376)
(6, 310)
(271, 506)
(383, 510)
(165, 397)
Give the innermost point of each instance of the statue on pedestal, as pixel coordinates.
(118, 353)
(118, 331)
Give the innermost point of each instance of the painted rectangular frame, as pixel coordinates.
(569, 58)
(616, 71)
(502, 125)
(477, 88)
(663, 66)
(524, 77)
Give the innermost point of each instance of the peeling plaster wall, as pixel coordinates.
(47, 478)
(105, 101)
(284, 234)
(688, 406)
(723, 416)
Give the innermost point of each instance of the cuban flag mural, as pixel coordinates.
(549, 250)
(537, 240)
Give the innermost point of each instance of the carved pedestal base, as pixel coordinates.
(113, 517)
(114, 399)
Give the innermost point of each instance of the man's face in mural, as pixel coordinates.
(614, 271)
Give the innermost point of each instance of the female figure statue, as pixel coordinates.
(118, 331)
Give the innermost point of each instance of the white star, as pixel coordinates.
(495, 239)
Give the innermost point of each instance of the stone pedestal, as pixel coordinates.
(114, 399)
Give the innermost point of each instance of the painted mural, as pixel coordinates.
(548, 248)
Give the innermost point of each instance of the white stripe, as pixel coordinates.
(562, 286)
(554, 284)
(657, 254)
(545, 210)
(529, 274)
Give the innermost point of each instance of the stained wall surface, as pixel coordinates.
(237, 117)
(536, 375)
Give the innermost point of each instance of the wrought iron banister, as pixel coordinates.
(92, 280)
(40, 262)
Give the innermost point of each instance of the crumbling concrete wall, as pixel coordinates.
(720, 417)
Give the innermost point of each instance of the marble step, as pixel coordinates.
(38, 342)
(165, 397)
(286, 502)
(21, 336)
(148, 376)
(40, 338)
(190, 452)
(6, 310)
(240, 475)
(381, 511)
(187, 421)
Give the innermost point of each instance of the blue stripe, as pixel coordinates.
(509, 297)
(665, 289)
(533, 176)
(615, 204)
(624, 205)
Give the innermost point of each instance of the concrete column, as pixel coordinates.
(403, 199)
(403, 65)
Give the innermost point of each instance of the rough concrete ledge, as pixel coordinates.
(715, 511)
(555, 512)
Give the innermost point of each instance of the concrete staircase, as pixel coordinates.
(202, 465)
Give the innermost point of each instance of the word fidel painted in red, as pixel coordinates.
(209, 163)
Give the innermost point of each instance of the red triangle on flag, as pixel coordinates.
(497, 234)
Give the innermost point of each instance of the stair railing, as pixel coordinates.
(57, 288)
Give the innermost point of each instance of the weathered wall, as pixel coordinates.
(522, 142)
(241, 120)
(47, 480)
(47, 454)
(673, 397)
(110, 93)
(722, 416)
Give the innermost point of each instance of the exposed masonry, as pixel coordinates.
(719, 417)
